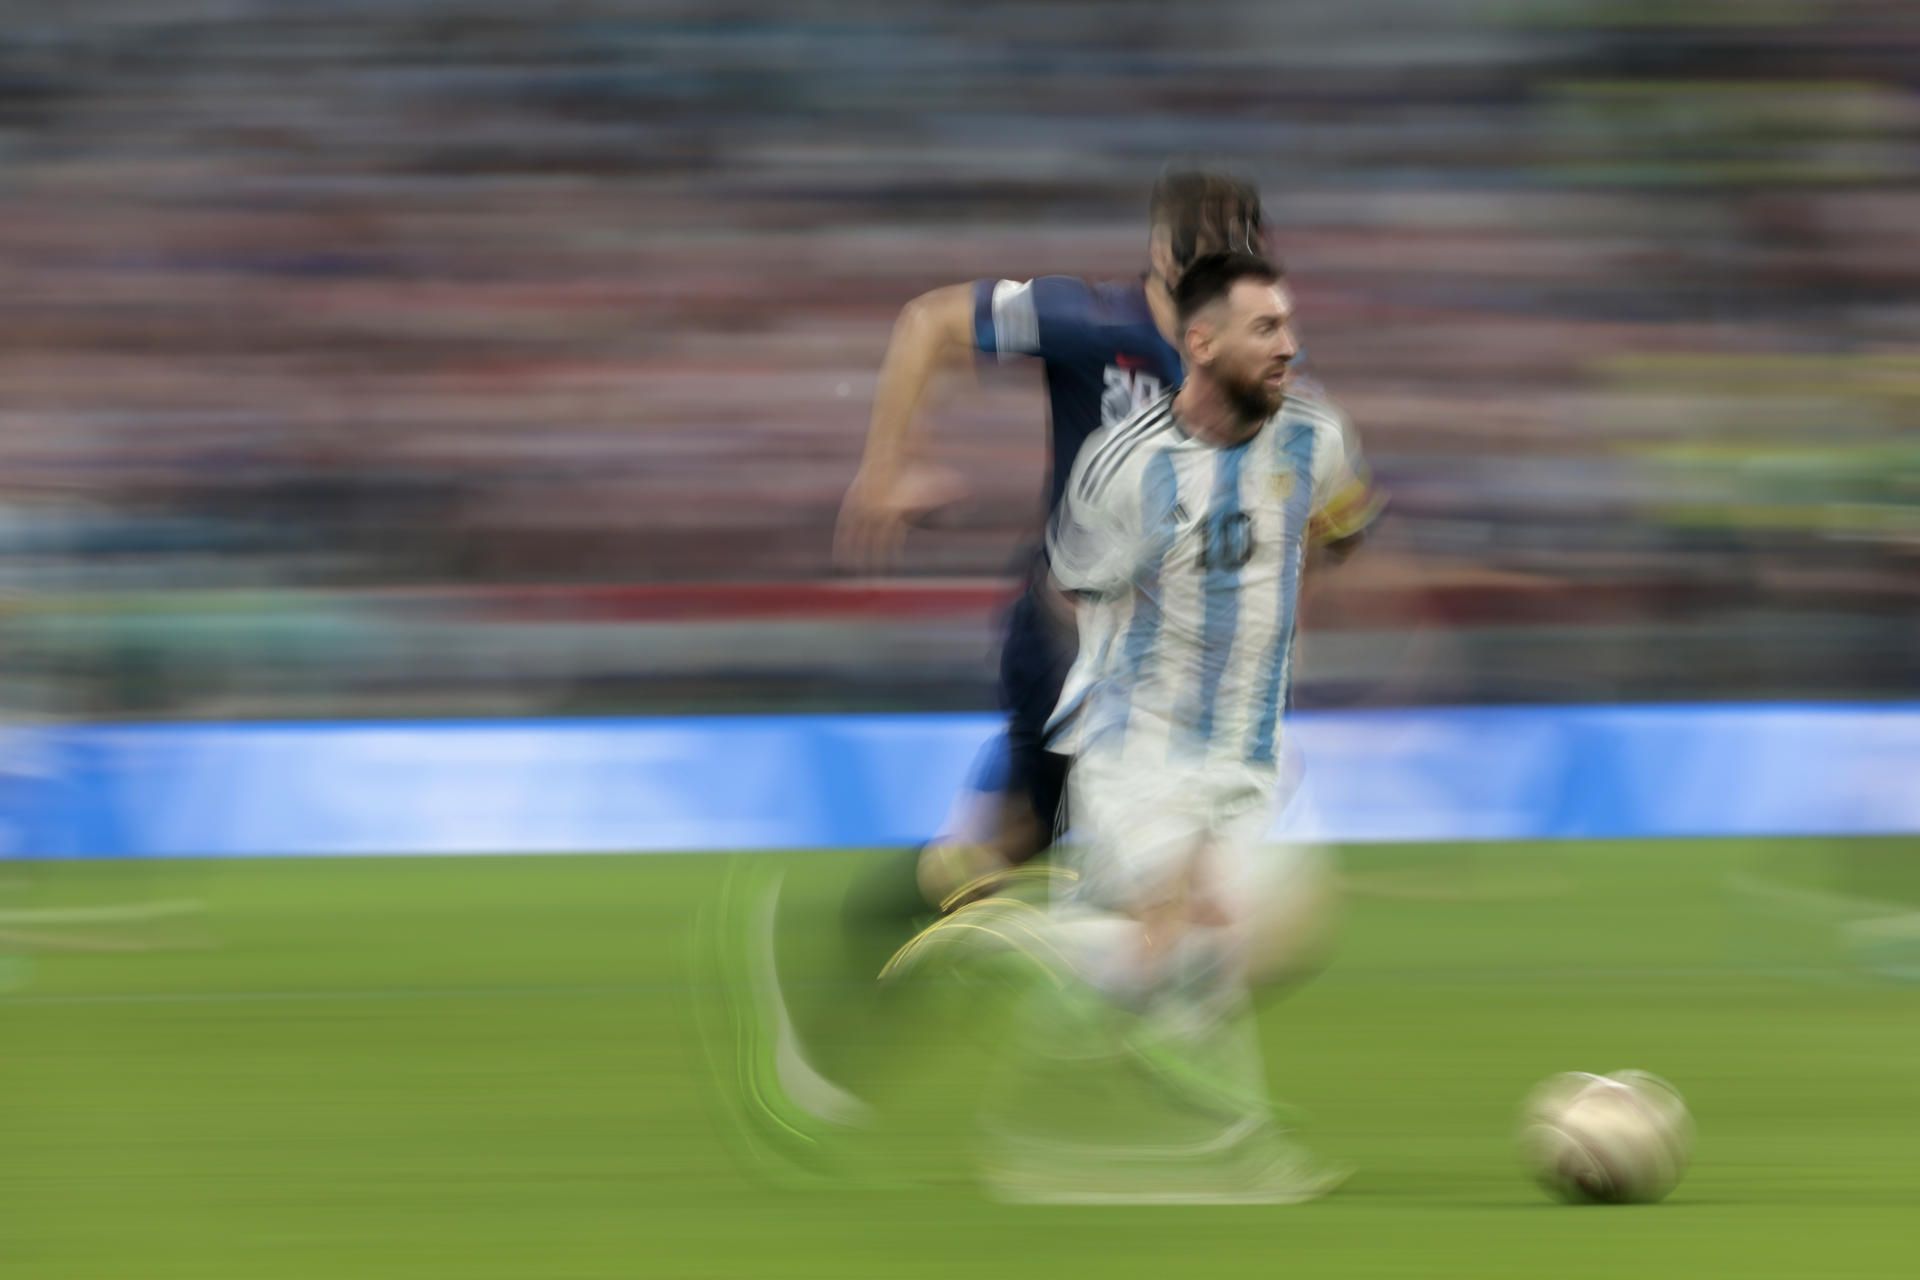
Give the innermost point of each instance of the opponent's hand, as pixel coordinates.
(880, 505)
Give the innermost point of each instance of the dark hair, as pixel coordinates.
(1205, 211)
(1212, 277)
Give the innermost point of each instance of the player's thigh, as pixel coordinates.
(1136, 833)
(1035, 787)
(1280, 896)
(1034, 661)
(1294, 915)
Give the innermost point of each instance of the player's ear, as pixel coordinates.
(1198, 339)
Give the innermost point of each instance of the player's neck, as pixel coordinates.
(1206, 415)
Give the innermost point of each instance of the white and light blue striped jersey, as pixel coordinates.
(1187, 559)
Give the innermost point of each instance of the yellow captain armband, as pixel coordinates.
(1347, 514)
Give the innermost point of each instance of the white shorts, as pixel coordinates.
(1149, 835)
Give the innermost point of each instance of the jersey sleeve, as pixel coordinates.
(1050, 317)
(1093, 540)
(1345, 499)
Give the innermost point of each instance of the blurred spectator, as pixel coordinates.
(330, 328)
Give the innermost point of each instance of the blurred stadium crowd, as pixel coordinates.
(455, 355)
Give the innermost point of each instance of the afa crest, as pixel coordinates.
(1280, 484)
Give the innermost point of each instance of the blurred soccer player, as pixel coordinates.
(1105, 349)
(1183, 534)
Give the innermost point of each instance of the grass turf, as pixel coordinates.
(483, 1068)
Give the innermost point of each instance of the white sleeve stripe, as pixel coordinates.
(1016, 325)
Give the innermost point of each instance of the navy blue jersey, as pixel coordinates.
(1103, 355)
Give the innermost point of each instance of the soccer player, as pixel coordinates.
(1105, 349)
(1183, 533)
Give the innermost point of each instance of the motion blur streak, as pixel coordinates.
(345, 344)
(370, 363)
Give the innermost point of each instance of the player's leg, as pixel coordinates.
(1036, 653)
(1002, 818)
(793, 1054)
(1293, 888)
(1152, 928)
(1069, 1117)
(1200, 1036)
(1293, 920)
(893, 896)
(1117, 918)
(789, 1120)
(1202, 1001)
(1099, 933)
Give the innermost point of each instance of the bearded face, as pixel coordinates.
(1251, 348)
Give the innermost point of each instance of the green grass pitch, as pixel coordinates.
(483, 1068)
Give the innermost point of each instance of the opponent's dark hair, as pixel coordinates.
(1205, 210)
(1212, 277)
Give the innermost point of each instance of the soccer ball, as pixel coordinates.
(1616, 1139)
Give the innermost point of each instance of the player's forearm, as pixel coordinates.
(932, 330)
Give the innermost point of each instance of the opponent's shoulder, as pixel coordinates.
(1065, 295)
(1046, 316)
(1118, 299)
(1119, 308)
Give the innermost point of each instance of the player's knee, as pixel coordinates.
(1293, 923)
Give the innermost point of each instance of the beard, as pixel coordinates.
(1253, 400)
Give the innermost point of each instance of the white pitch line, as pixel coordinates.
(103, 915)
(1823, 900)
(1409, 887)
